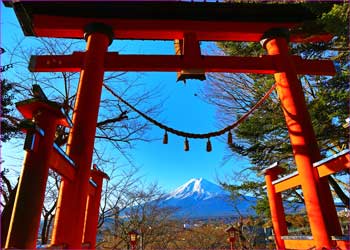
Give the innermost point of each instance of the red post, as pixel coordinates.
(303, 141)
(93, 207)
(232, 236)
(70, 215)
(133, 239)
(232, 240)
(25, 219)
(276, 207)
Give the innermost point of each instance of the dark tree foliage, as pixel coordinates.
(8, 127)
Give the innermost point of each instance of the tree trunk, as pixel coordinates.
(6, 216)
(44, 229)
(337, 189)
(49, 226)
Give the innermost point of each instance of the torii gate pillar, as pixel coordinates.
(323, 220)
(73, 195)
(276, 206)
(93, 208)
(26, 213)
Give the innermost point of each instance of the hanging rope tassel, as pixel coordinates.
(187, 145)
(229, 138)
(209, 148)
(165, 138)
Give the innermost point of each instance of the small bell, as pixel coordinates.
(165, 138)
(209, 145)
(229, 138)
(187, 145)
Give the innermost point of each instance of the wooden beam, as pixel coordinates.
(136, 29)
(174, 63)
(287, 182)
(299, 244)
(164, 19)
(333, 164)
(306, 242)
(70, 27)
(328, 166)
(62, 63)
(62, 164)
(342, 244)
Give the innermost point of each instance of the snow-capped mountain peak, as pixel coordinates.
(199, 198)
(198, 188)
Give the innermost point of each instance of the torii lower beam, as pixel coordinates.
(267, 64)
(325, 167)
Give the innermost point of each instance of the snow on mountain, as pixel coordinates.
(199, 188)
(199, 198)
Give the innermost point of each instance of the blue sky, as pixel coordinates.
(168, 165)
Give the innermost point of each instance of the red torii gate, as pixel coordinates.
(101, 22)
(275, 186)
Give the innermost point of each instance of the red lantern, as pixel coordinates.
(232, 235)
(133, 239)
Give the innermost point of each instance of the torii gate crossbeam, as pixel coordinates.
(167, 63)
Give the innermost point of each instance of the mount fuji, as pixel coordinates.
(200, 198)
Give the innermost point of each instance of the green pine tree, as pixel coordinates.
(8, 125)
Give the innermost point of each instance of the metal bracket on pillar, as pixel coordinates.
(99, 28)
(189, 48)
(29, 142)
(31, 129)
(273, 33)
